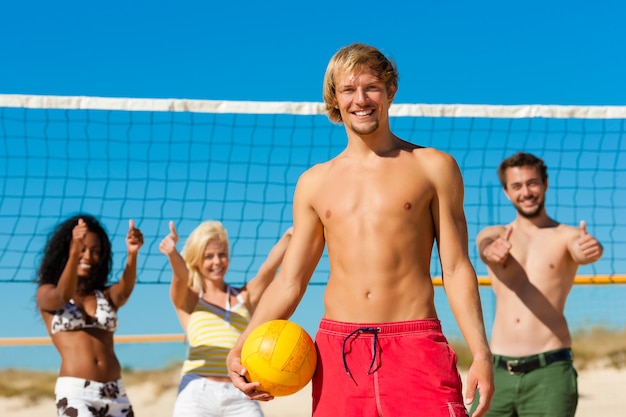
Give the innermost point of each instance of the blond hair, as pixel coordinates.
(354, 58)
(193, 251)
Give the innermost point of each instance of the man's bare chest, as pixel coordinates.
(544, 251)
(374, 198)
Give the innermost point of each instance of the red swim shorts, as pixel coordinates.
(385, 370)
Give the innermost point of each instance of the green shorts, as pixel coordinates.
(550, 391)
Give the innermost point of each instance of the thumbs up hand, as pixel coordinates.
(168, 244)
(134, 237)
(588, 248)
(79, 232)
(77, 244)
(498, 251)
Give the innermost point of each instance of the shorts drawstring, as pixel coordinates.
(372, 330)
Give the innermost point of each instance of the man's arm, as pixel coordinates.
(585, 248)
(459, 277)
(267, 272)
(494, 245)
(284, 293)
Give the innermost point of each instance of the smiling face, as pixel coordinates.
(90, 255)
(354, 59)
(215, 260)
(526, 190)
(362, 100)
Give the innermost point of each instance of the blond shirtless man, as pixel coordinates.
(379, 206)
(532, 263)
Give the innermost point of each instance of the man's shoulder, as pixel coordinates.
(562, 227)
(438, 166)
(432, 156)
(498, 227)
(317, 168)
(314, 173)
(420, 150)
(567, 231)
(493, 230)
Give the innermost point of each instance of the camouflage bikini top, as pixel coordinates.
(70, 317)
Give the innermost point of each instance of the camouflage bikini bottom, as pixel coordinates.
(77, 397)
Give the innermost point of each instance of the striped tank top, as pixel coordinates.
(212, 332)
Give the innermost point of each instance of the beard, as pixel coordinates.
(365, 129)
(530, 214)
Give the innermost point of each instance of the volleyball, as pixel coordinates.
(281, 356)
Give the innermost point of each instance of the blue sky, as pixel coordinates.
(489, 52)
(546, 52)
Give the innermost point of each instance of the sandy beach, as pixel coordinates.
(601, 394)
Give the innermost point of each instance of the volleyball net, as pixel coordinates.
(156, 160)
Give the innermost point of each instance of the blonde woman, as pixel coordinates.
(213, 315)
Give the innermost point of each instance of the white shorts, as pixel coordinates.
(203, 397)
(82, 397)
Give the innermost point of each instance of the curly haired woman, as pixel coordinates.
(79, 310)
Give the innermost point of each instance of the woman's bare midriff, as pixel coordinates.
(88, 354)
